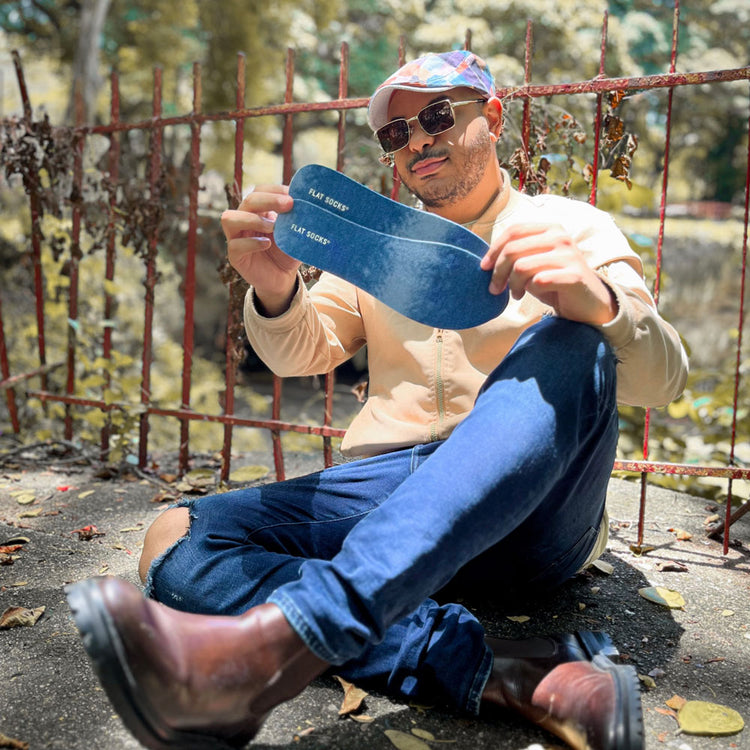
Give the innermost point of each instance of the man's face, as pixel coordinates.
(445, 168)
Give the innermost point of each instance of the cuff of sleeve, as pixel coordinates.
(280, 323)
(620, 331)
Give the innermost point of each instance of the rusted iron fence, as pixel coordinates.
(56, 382)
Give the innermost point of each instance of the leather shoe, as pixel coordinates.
(181, 680)
(570, 686)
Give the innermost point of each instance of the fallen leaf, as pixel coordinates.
(665, 597)
(165, 497)
(138, 527)
(87, 533)
(362, 718)
(647, 681)
(86, 494)
(15, 617)
(701, 717)
(8, 549)
(248, 473)
(518, 618)
(666, 712)
(423, 734)
(683, 535)
(31, 513)
(404, 741)
(353, 697)
(11, 744)
(25, 498)
(671, 566)
(676, 702)
(727, 612)
(603, 567)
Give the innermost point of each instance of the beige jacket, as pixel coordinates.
(423, 381)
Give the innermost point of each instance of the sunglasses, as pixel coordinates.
(434, 119)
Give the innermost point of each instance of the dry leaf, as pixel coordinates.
(423, 734)
(404, 741)
(15, 617)
(647, 681)
(249, 473)
(30, 514)
(671, 566)
(353, 697)
(87, 533)
(676, 702)
(603, 567)
(666, 712)
(701, 717)
(518, 618)
(665, 597)
(362, 718)
(25, 498)
(11, 744)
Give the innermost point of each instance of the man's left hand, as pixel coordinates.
(543, 260)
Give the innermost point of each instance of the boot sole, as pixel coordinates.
(107, 654)
(628, 732)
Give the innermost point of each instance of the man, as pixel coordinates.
(487, 454)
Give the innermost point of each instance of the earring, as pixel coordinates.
(386, 160)
(493, 137)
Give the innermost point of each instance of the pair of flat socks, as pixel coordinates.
(419, 264)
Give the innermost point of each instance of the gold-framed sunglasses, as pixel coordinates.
(434, 119)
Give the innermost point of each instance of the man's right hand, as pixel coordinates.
(252, 251)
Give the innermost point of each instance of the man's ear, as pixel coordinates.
(494, 114)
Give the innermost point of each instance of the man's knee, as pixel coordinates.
(170, 526)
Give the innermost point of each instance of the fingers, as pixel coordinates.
(256, 214)
(508, 257)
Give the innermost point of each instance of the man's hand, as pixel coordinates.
(544, 261)
(252, 251)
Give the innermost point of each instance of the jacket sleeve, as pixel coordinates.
(652, 363)
(321, 329)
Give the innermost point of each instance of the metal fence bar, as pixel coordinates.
(598, 113)
(188, 328)
(230, 356)
(659, 253)
(74, 270)
(113, 164)
(150, 282)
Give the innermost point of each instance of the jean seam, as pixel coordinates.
(299, 624)
(476, 689)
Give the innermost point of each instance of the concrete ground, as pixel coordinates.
(49, 697)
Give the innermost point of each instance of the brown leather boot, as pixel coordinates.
(591, 705)
(181, 680)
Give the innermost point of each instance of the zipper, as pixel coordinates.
(439, 385)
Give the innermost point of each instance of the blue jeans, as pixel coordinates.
(351, 554)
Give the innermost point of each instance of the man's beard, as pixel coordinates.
(471, 171)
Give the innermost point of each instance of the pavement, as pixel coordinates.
(70, 521)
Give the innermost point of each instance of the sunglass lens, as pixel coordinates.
(437, 118)
(393, 136)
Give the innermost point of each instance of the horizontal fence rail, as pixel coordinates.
(42, 382)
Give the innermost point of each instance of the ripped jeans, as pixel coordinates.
(512, 499)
